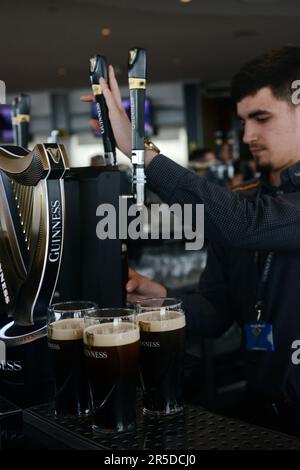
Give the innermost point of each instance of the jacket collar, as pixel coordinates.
(290, 179)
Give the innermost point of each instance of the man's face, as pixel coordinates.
(272, 129)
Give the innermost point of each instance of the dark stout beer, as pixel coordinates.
(161, 365)
(66, 348)
(112, 354)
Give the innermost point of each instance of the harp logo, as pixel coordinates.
(2, 92)
(4, 287)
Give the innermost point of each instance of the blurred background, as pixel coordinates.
(193, 47)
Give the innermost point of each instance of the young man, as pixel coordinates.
(253, 269)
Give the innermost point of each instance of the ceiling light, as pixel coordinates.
(105, 32)
(185, 1)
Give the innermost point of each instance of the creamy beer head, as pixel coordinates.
(66, 330)
(158, 320)
(110, 334)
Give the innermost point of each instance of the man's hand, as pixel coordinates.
(120, 122)
(141, 287)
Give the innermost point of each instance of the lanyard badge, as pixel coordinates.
(259, 334)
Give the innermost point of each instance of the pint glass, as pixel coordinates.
(111, 349)
(65, 331)
(162, 331)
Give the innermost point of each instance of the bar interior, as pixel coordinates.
(150, 226)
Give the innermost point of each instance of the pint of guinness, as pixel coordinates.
(65, 331)
(111, 349)
(162, 354)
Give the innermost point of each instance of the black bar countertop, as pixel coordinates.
(193, 429)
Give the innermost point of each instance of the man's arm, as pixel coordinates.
(266, 223)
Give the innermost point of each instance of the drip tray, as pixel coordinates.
(194, 428)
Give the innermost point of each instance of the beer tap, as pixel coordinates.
(23, 119)
(98, 68)
(137, 89)
(15, 121)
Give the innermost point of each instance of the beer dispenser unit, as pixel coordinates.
(32, 206)
(49, 249)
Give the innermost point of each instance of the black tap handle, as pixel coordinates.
(98, 68)
(137, 62)
(137, 86)
(15, 126)
(23, 119)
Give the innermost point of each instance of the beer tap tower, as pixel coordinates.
(49, 249)
(137, 87)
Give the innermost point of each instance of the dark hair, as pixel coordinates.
(277, 69)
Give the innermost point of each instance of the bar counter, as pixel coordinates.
(193, 429)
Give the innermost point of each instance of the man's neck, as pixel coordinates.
(275, 178)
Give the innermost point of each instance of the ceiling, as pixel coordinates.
(47, 44)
